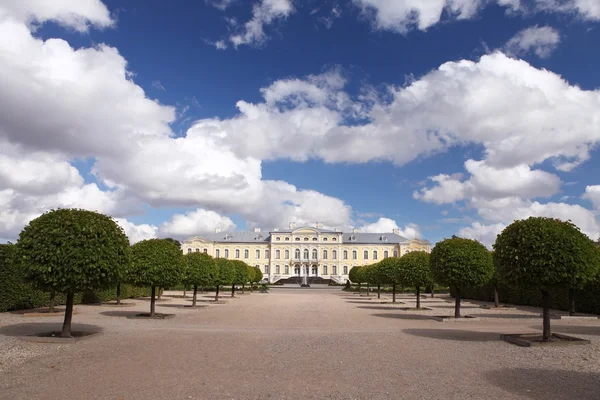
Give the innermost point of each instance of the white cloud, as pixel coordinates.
(485, 234)
(220, 45)
(194, 223)
(220, 4)
(265, 12)
(137, 233)
(402, 16)
(74, 14)
(540, 40)
(387, 225)
(592, 193)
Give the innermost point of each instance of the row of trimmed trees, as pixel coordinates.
(538, 252)
(70, 250)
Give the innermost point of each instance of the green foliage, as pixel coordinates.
(240, 272)
(356, 274)
(545, 253)
(389, 270)
(73, 250)
(201, 269)
(374, 274)
(226, 272)
(175, 242)
(461, 263)
(14, 293)
(250, 273)
(258, 276)
(156, 262)
(415, 270)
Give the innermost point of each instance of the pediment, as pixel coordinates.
(305, 231)
(197, 239)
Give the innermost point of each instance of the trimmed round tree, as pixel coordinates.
(375, 277)
(547, 254)
(240, 275)
(355, 276)
(250, 272)
(201, 270)
(71, 250)
(225, 274)
(258, 275)
(415, 271)
(459, 263)
(156, 263)
(390, 273)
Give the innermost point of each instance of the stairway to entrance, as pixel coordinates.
(297, 280)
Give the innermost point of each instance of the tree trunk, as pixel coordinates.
(243, 288)
(195, 293)
(51, 305)
(66, 329)
(217, 294)
(119, 293)
(359, 288)
(201, 289)
(457, 304)
(159, 292)
(496, 298)
(368, 288)
(546, 314)
(153, 301)
(184, 291)
(379, 290)
(432, 291)
(418, 297)
(233, 290)
(571, 302)
(393, 293)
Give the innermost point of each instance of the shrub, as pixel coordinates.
(415, 271)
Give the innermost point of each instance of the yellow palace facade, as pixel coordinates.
(305, 251)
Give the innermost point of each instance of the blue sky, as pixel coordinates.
(371, 100)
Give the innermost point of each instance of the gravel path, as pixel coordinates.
(297, 344)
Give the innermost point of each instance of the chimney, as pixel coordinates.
(275, 229)
(336, 229)
(355, 230)
(292, 225)
(396, 231)
(217, 230)
(319, 225)
(256, 230)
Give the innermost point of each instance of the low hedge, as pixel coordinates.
(15, 294)
(586, 301)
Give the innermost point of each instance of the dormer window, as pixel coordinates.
(383, 238)
(352, 238)
(259, 237)
(278, 238)
(228, 237)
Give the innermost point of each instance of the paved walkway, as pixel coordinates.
(292, 344)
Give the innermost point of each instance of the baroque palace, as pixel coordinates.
(305, 251)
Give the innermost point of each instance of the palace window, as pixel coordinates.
(306, 254)
(217, 253)
(297, 239)
(354, 255)
(324, 254)
(189, 251)
(277, 271)
(257, 254)
(374, 254)
(266, 269)
(315, 270)
(334, 270)
(386, 254)
(287, 239)
(334, 254)
(287, 269)
(345, 254)
(334, 239)
(366, 254)
(266, 253)
(345, 270)
(324, 269)
(246, 254)
(406, 251)
(278, 238)
(226, 253)
(315, 254)
(205, 251)
(395, 253)
(197, 250)
(314, 239)
(237, 253)
(324, 239)
(306, 239)
(287, 254)
(277, 254)
(297, 254)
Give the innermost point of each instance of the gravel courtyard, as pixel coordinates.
(296, 344)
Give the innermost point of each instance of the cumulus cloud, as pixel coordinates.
(388, 225)
(485, 234)
(194, 223)
(265, 12)
(540, 40)
(402, 16)
(137, 233)
(592, 193)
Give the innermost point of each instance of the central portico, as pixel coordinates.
(305, 251)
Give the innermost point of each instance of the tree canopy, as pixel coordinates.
(201, 269)
(226, 272)
(414, 269)
(461, 262)
(258, 275)
(73, 250)
(389, 270)
(355, 274)
(156, 262)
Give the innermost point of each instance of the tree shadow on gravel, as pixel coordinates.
(542, 384)
(507, 316)
(399, 308)
(123, 314)
(454, 334)
(42, 327)
(182, 306)
(574, 329)
(405, 316)
(447, 306)
(369, 302)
